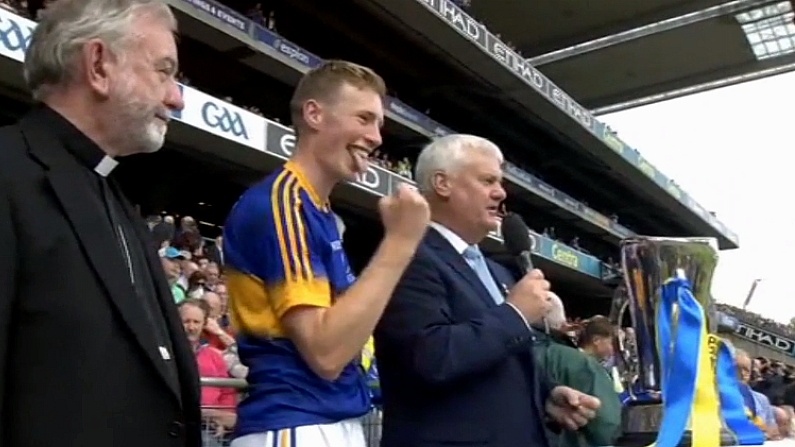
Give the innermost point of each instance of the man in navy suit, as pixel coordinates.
(454, 344)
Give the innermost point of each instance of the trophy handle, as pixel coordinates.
(626, 362)
(621, 340)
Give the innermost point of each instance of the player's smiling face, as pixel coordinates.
(352, 128)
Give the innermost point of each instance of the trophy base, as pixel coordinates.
(641, 423)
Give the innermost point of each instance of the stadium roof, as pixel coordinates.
(625, 53)
(530, 109)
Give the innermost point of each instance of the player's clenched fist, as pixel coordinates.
(405, 214)
(531, 296)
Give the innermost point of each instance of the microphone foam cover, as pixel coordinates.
(515, 234)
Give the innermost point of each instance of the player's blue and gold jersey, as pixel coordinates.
(282, 249)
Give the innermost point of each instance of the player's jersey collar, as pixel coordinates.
(304, 183)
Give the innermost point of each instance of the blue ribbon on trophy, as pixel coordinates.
(693, 391)
(683, 387)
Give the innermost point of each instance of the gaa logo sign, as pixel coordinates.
(15, 35)
(223, 119)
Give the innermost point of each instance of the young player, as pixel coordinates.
(301, 315)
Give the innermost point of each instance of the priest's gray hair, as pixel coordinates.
(67, 25)
(448, 153)
(556, 317)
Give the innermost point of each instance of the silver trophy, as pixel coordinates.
(647, 262)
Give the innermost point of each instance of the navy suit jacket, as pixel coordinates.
(456, 368)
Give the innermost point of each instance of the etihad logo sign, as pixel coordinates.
(280, 141)
(765, 338)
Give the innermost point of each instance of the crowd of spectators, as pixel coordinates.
(194, 266)
(774, 383)
(194, 269)
(768, 387)
(754, 319)
(402, 166)
(262, 17)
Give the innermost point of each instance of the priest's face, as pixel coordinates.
(145, 91)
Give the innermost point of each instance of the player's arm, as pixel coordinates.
(327, 336)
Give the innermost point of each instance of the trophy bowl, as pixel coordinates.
(647, 264)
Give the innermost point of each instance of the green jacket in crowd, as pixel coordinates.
(564, 364)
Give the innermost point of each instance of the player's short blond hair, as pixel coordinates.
(324, 82)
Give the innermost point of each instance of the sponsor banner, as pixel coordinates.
(398, 108)
(600, 219)
(477, 33)
(765, 338)
(224, 14)
(222, 119)
(406, 112)
(542, 189)
(309, 61)
(636, 160)
(228, 121)
(727, 321)
(280, 141)
(441, 131)
(287, 48)
(491, 44)
(612, 141)
(376, 179)
(569, 257)
(545, 247)
(15, 33)
(412, 115)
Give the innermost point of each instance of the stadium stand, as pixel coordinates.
(239, 63)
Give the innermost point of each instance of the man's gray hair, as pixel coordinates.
(66, 25)
(447, 154)
(340, 225)
(556, 317)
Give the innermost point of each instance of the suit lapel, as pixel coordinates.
(456, 261)
(73, 191)
(183, 353)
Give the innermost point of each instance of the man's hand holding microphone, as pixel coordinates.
(530, 296)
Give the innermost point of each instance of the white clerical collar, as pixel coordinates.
(105, 166)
